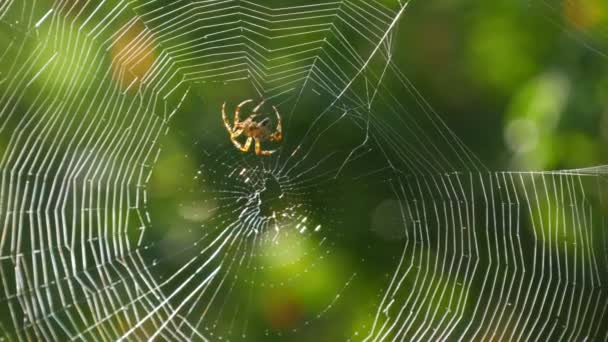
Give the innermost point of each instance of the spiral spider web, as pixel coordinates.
(90, 97)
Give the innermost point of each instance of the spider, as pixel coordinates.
(254, 131)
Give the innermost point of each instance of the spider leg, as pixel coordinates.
(259, 151)
(278, 134)
(236, 133)
(241, 147)
(226, 119)
(255, 110)
(238, 111)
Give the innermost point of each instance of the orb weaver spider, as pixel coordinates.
(254, 131)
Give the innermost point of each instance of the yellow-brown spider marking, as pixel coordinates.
(254, 131)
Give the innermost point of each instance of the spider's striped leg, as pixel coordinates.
(255, 110)
(278, 134)
(236, 133)
(260, 152)
(241, 147)
(225, 118)
(238, 111)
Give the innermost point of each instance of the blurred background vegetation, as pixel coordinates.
(523, 83)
